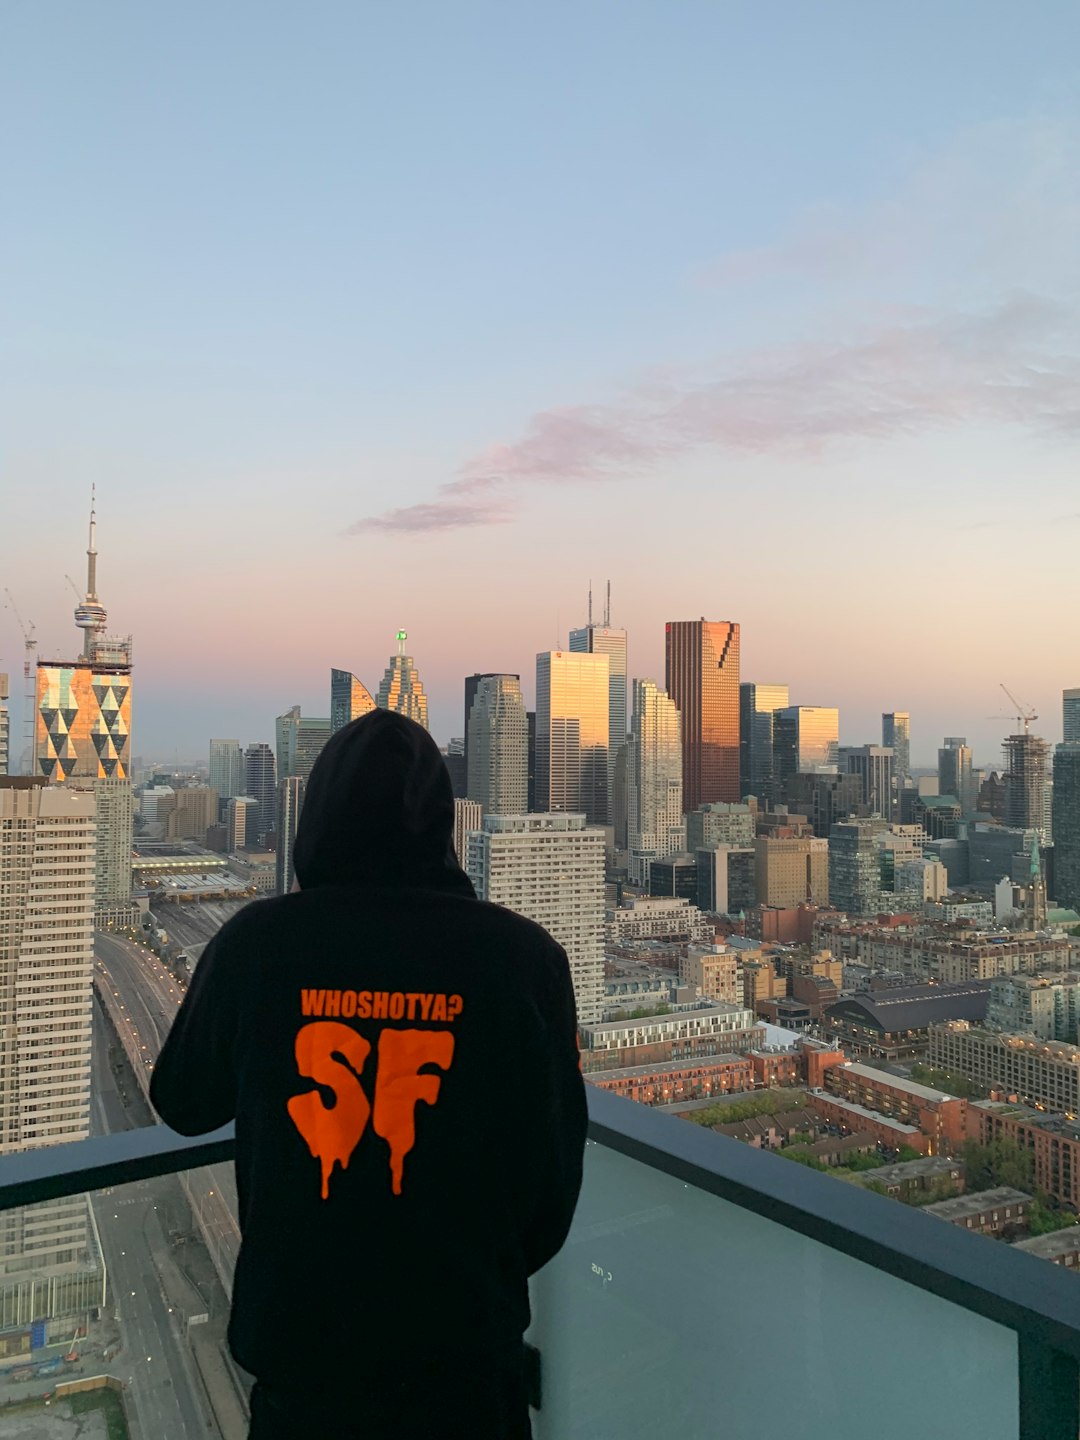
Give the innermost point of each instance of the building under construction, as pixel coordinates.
(1027, 760)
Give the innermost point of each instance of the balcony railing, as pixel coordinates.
(709, 1289)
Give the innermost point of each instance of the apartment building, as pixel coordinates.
(1038, 1072)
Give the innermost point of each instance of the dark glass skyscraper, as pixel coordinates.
(896, 736)
(702, 677)
(955, 775)
(1067, 825)
(757, 705)
(1070, 715)
(806, 741)
(260, 782)
(349, 699)
(873, 764)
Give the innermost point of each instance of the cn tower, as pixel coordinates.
(90, 613)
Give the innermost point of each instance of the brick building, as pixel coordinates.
(1053, 1142)
(776, 1067)
(665, 1083)
(817, 1058)
(852, 1119)
(940, 1117)
(1038, 1072)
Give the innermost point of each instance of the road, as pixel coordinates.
(144, 997)
(164, 1393)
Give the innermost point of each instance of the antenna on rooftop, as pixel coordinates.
(607, 606)
(590, 602)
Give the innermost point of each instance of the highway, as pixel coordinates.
(143, 996)
(165, 1396)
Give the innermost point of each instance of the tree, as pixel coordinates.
(947, 1080)
(1043, 1219)
(1001, 1162)
(744, 1109)
(873, 1161)
(908, 1152)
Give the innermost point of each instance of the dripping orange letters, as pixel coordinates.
(333, 1055)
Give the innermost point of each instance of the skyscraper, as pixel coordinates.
(873, 764)
(498, 755)
(572, 727)
(855, 883)
(1070, 715)
(1026, 762)
(702, 678)
(549, 868)
(51, 1266)
(824, 799)
(468, 816)
(226, 768)
(806, 741)
(654, 779)
(349, 699)
(896, 736)
(260, 783)
(116, 827)
(401, 689)
(757, 706)
(5, 731)
(48, 840)
(290, 801)
(609, 640)
(1067, 824)
(472, 684)
(299, 738)
(955, 775)
(83, 735)
(241, 822)
(196, 810)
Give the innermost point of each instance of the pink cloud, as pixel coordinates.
(1016, 364)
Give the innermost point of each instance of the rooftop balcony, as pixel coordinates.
(711, 1289)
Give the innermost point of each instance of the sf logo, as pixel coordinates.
(333, 1055)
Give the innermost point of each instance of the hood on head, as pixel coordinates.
(379, 810)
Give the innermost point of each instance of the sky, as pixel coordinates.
(368, 316)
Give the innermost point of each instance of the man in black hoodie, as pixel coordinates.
(401, 1062)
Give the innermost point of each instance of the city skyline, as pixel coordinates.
(859, 724)
(560, 319)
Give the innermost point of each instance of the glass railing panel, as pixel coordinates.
(111, 1302)
(673, 1313)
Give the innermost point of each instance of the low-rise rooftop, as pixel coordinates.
(1058, 1242)
(897, 1082)
(862, 1113)
(978, 1202)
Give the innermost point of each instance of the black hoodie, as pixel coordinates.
(401, 1063)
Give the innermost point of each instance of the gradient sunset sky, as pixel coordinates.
(370, 315)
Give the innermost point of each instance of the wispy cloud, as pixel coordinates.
(995, 213)
(1015, 364)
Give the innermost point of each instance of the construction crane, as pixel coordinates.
(1021, 714)
(74, 588)
(29, 678)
